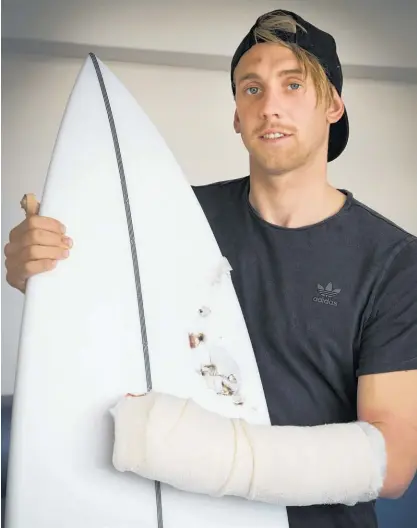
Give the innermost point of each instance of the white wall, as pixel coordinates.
(372, 33)
(194, 109)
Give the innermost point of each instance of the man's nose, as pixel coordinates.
(271, 105)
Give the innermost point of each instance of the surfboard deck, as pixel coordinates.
(144, 274)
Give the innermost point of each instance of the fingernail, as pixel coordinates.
(67, 241)
(65, 253)
(63, 228)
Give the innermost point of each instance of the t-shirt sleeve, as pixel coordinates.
(389, 339)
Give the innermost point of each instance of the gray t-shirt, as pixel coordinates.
(323, 304)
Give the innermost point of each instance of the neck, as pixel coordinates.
(296, 199)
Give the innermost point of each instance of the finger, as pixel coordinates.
(18, 277)
(10, 249)
(33, 267)
(18, 284)
(37, 238)
(33, 253)
(40, 237)
(36, 222)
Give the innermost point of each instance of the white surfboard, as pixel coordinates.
(145, 272)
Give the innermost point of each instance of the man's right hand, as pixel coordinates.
(34, 247)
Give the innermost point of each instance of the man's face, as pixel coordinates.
(273, 96)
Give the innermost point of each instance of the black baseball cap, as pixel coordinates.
(323, 47)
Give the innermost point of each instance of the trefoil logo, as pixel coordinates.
(327, 294)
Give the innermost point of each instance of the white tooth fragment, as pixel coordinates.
(273, 136)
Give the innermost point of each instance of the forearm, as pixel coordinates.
(401, 449)
(177, 442)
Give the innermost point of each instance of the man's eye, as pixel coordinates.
(252, 90)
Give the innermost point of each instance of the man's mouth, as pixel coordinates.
(275, 135)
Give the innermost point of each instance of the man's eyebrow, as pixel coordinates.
(293, 71)
(283, 73)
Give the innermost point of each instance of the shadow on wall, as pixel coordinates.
(399, 513)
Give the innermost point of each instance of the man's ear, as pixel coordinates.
(236, 123)
(336, 108)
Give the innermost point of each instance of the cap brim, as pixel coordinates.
(339, 135)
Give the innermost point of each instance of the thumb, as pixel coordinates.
(30, 205)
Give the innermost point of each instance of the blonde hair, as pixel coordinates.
(265, 32)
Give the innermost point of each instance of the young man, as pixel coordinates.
(328, 288)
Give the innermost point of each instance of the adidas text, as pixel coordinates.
(322, 300)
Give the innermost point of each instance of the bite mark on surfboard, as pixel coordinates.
(217, 367)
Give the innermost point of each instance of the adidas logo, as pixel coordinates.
(327, 294)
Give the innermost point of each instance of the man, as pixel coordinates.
(328, 288)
